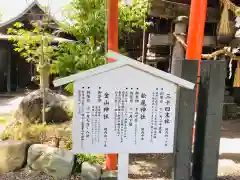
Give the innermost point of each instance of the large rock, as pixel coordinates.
(12, 155)
(52, 161)
(30, 108)
(91, 171)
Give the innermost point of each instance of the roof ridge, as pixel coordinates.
(28, 8)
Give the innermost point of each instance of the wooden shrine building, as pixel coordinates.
(15, 72)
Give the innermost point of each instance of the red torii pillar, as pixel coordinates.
(196, 27)
(195, 36)
(112, 15)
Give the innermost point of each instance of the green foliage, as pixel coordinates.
(88, 19)
(2, 121)
(33, 132)
(133, 17)
(87, 23)
(89, 158)
(72, 58)
(32, 44)
(80, 158)
(69, 88)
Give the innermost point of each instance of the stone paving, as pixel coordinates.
(7, 106)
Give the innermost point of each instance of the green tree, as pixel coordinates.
(86, 21)
(35, 46)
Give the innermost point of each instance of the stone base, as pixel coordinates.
(230, 111)
(109, 175)
(12, 155)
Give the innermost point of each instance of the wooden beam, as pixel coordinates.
(171, 10)
(156, 59)
(210, 41)
(235, 42)
(168, 40)
(160, 39)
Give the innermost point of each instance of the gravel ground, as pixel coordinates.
(150, 166)
(232, 177)
(22, 175)
(153, 166)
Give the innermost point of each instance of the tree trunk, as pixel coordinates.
(44, 76)
(44, 84)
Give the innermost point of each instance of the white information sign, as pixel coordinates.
(124, 111)
(124, 107)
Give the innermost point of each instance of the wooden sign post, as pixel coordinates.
(124, 107)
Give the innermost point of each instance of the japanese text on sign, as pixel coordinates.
(125, 117)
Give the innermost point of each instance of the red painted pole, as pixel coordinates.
(112, 8)
(196, 29)
(195, 37)
(112, 26)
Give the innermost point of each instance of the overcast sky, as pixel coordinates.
(11, 8)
